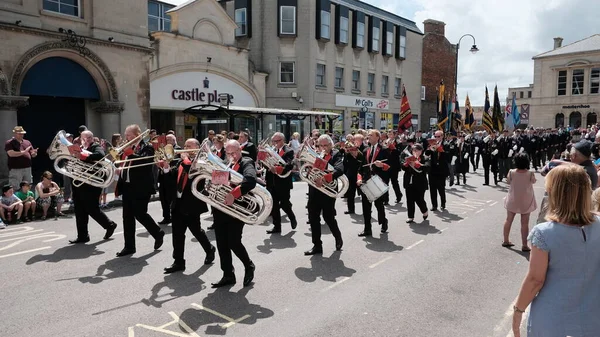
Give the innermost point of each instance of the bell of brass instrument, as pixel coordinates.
(272, 158)
(252, 208)
(98, 174)
(308, 156)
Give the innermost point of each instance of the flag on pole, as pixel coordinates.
(458, 121)
(497, 114)
(508, 118)
(405, 113)
(488, 124)
(442, 108)
(515, 112)
(469, 117)
(450, 111)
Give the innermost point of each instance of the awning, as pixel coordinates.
(197, 109)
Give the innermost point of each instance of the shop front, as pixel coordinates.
(366, 113)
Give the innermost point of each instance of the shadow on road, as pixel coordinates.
(518, 251)
(182, 285)
(165, 228)
(277, 241)
(423, 228)
(70, 252)
(119, 267)
(382, 244)
(232, 305)
(446, 216)
(325, 268)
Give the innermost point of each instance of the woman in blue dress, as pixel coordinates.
(563, 281)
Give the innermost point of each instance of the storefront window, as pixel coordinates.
(325, 123)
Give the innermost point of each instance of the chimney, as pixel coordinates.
(434, 27)
(558, 42)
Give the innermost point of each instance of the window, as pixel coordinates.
(371, 82)
(158, 20)
(325, 24)
(68, 7)
(513, 94)
(402, 46)
(529, 94)
(339, 77)
(240, 21)
(384, 84)
(577, 88)
(422, 93)
(360, 35)
(397, 87)
(389, 43)
(321, 74)
(288, 20)
(344, 30)
(595, 81)
(375, 39)
(562, 83)
(286, 72)
(520, 94)
(356, 80)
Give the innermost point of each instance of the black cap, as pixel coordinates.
(5, 188)
(584, 147)
(82, 128)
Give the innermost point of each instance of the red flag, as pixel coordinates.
(405, 113)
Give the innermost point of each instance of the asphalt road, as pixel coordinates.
(448, 276)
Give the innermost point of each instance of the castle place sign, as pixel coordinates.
(580, 106)
(362, 102)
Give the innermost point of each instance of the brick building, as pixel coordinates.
(439, 63)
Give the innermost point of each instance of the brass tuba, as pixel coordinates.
(252, 208)
(272, 158)
(308, 156)
(99, 174)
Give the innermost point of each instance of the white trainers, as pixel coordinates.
(2, 225)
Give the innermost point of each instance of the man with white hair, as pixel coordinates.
(280, 187)
(166, 186)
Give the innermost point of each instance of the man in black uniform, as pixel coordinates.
(228, 230)
(394, 163)
(167, 186)
(86, 196)
(136, 185)
(280, 187)
(353, 160)
(249, 148)
(186, 209)
(490, 153)
(376, 166)
(438, 171)
(319, 202)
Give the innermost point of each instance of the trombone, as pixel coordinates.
(166, 153)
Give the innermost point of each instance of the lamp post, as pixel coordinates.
(473, 50)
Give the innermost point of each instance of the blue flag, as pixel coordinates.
(515, 112)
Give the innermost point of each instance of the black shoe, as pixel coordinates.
(164, 222)
(348, 212)
(125, 252)
(110, 230)
(443, 208)
(398, 200)
(314, 250)
(274, 230)
(294, 223)
(486, 184)
(425, 216)
(464, 182)
(339, 243)
(210, 227)
(174, 268)
(225, 281)
(365, 233)
(80, 240)
(384, 226)
(308, 222)
(451, 183)
(210, 256)
(458, 183)
(249, 275)
(158, 241)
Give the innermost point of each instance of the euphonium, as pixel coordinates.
(308, 156)
(272, 158)
(99, 174)
(252, 208)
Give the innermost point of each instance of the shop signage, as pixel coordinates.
(575, 106)
(186, 89)
(362, 102)
(213, 121)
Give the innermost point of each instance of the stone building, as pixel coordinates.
(63, 65)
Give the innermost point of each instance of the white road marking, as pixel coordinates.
(493, 204)
(176, 320)
(25, 252)
(21, 232)
(443, 229)
(415, 244)
(218, 314)
(121, 232)
(342, 280)
(380, 262)
(479, 211)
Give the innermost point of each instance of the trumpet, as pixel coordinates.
(166, 154)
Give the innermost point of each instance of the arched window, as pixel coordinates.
(591, 118)
(559, 120)
(575, 119)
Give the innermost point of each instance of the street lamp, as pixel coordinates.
(473, 50)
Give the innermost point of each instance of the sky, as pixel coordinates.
(508, 34)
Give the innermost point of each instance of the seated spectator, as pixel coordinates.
(28, 199)
(9, 205)
(49, 194)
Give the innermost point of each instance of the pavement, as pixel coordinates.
(448, 276)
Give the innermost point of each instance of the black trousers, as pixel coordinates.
(350, 194)
(317, 203)
(166, 198)
(415, 195)
(136, 208)
(367, 206)
(85, 200)
(281, 201)
(182, 221)
(457, 174)
(488, 164)
(228, 232)
(437, 185)
(395, 185)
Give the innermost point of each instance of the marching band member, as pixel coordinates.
(248, 147)
(415, 181)
(280, 187)
(319, 202)
(86, 196)
(228, 230)
(374, 158)
(186, 210)
(462, 159)
(219, 142)
(136, 185)
(394, 163)
(353, 160)
(359, 142)
(166, 186)
(438, 171)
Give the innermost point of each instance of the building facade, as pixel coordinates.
(439, 64)
(67, 63)
(566, 85)
(341, 56)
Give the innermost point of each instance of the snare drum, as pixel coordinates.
(374, 188)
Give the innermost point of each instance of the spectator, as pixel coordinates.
(49, 194)
(77, 141)
(28, 199)
(562, 282)
(9, 204)
(520, 199)
(20, 152)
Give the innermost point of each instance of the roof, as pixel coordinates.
(261, 111)
(380, 13)
(591, 43)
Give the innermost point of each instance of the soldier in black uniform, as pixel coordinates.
(490, 158)
(394, 163)
(462, 159)
(438, 171)
(504, 145)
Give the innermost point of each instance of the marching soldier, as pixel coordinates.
(438, 171)
(490, 158)
(394, 163)
(462, 159)
(280, 187)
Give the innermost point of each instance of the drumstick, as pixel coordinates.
(374, 163)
